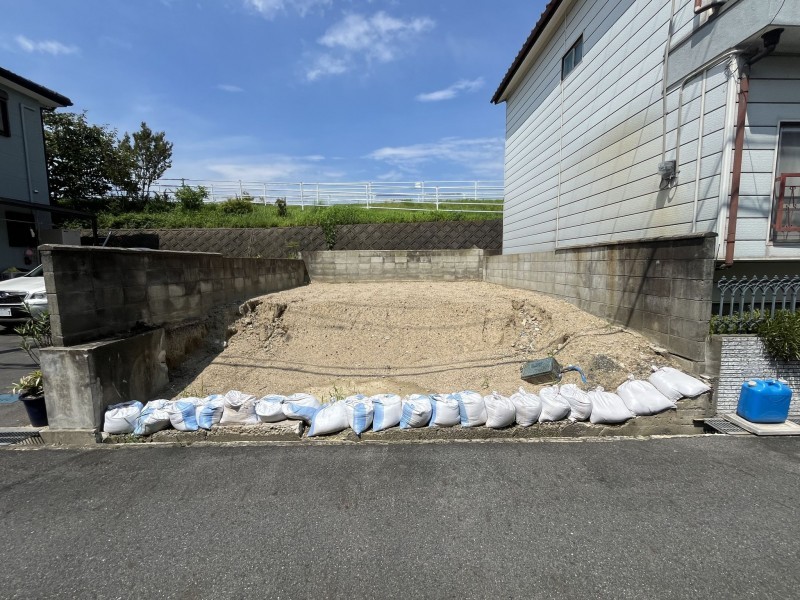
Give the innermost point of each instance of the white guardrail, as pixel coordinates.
(464, 196)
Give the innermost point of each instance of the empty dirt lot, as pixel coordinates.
(406, 337)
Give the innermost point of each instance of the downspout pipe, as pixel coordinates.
(771, 39)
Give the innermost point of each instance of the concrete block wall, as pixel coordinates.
(395, 265)
(99, 292)
(661, 288)
(743, 357)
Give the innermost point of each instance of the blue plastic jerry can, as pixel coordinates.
(764, 401)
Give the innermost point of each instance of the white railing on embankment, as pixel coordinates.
(469, 196)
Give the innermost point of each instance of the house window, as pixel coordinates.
(786, 212)
(21, 230)
(572, 58)
(4, 131)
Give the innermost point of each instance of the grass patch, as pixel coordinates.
(215, 215)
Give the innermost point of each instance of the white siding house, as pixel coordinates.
(23, 167)
(604, 91)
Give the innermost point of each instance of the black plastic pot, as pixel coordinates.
(36, 409)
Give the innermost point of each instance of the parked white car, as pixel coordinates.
(16, 293)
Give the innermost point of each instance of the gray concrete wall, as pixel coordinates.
(396, 265)
(661, 288)
(81, 381)
(99, 292)
(743, 357)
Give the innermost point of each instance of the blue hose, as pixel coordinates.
(573, 368)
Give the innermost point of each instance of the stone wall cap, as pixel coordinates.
(148, 251)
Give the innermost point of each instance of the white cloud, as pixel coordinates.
(480, 156)
(355, 38)
(326, 65)
(448, 93)
(45, 46)
(269, 9)
(233, 89)
(259, 168)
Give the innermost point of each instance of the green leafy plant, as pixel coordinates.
(293, 249)
(781, 335)
(29, 385)
(34, 335)
(191, 198)
(280, 205)
(237, 205)
(746, 322)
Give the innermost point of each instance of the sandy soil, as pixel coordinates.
(335, 339)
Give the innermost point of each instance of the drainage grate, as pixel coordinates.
(722, 426)
(25, 438)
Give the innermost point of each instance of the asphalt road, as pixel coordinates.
(711, 517)
(14, 363)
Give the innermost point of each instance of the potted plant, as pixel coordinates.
(35, 335)
(31, 393)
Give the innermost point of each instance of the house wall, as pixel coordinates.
(22, 157)
(774, 97)
(582, 154)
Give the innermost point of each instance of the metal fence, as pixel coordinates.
(464, 196)
(750, 300)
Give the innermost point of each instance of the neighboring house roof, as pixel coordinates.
(540, 26)
(51, 99)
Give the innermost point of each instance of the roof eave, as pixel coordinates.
(46, 97)
(536, 33)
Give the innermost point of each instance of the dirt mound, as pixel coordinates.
(335, 339)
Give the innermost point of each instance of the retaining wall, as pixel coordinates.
(94, 293)
(661, 288)
(743, 357)
(377, 265)
(286, 242)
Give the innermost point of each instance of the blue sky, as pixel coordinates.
(285, 90)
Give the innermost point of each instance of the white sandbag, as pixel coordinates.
(607, 407)
(554, 406)
(210, 412)
(301, 407)
(359, 412)
(330, 418)
(239, 409)
(121, 418)
(387, 411)
(270, 409)
(154, 417)
(182, 415)
(643, 398)
(471, 408)
(580, 406)
(417, 410)
(527, 407)
(444, 411)
(500, 411)
(676, 385)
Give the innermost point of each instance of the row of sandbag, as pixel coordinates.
(360, 413)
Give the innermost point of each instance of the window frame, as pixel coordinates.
(5, 130)
(775, 218)
(575, 50)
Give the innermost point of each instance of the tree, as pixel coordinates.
(82, 159)
(147, 156)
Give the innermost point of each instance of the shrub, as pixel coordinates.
(237, 205)
(781, 335)
(280, 204)
(191, 198)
